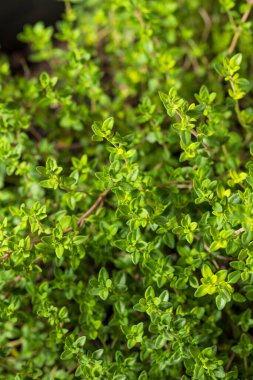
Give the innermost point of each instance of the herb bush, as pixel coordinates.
(126, 194)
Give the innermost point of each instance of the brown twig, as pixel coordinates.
(100, 199)
(239, 29)
(15, 343)
(82, 218)
(35, 133)
(230, 361)
(239, 232)
(25, 67)
(215, 264)
(225, 258)
(195, 134)
(5, 256)
(73, 146)
(208, 23)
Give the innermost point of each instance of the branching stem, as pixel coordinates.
(80, 220)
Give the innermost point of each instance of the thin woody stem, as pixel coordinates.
(239, 232)
(208, 23)
(220, 257)
(230, 361)
(239, 29)
(100, 199)
(80, 220)
(5, 256)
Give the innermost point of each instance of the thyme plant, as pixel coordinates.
(126, 176)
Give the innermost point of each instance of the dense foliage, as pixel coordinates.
(126, 179)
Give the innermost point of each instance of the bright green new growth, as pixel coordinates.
(126, 179)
